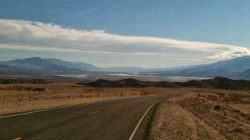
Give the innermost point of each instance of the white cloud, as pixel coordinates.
(232, 53)
(37, 36)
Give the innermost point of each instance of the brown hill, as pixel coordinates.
(217, 82)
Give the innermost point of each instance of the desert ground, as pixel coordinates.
(197, 114)
(203, 114)
(16, 98)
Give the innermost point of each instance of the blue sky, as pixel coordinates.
(223, 23)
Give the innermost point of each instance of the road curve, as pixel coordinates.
(114, 120)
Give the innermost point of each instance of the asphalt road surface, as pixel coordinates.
(123, 119)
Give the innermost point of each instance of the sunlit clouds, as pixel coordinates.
(37, 36)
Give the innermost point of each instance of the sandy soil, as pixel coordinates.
(201, 114)
(26, 97)
(204, 114)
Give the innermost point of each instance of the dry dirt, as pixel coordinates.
(204, 114)
(27, 97)
(201, 114)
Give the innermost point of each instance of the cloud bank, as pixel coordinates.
(37, 36)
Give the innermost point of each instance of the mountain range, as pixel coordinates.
(41, 66)
(238, 68)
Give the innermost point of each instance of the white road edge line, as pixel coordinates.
(139, 123)
(95, 112)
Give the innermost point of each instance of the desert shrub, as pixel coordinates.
(217, 107)
(23, 81)
(222, 95)
(38, 89)
(237, 129)
(144, 93)
(21, 88)
(212, 97)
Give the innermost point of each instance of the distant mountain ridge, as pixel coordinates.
(36, 66)
(238, 68)
(42, 66)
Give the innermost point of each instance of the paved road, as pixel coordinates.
(114, 120)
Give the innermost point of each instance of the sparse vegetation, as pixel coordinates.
(204, 114)
(22, 81)
(16, 87)
(201, 113)
(25, 97)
